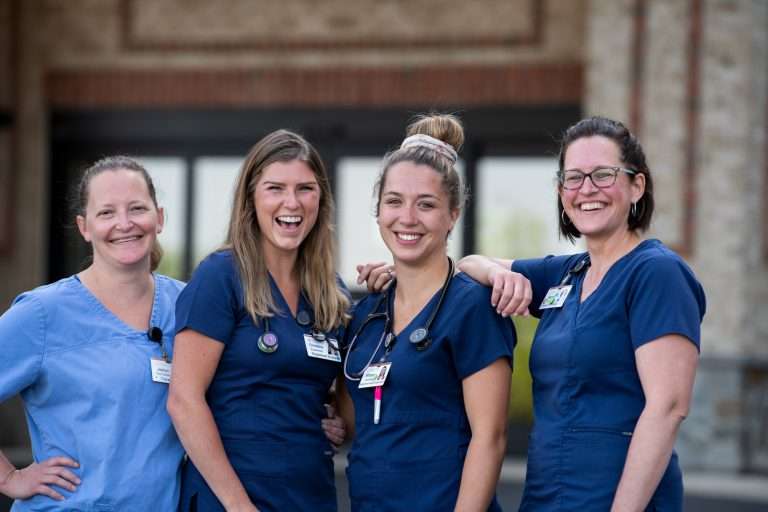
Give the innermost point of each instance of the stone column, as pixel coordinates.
(729, 237)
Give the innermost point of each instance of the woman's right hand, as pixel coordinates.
(38, 478)
(376, 276)
(511, 292)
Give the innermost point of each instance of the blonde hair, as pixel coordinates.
(316, 253)
(447, 130)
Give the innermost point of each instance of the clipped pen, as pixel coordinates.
(376, 404)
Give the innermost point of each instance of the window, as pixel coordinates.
(517, 208)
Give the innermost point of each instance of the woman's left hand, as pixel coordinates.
(377, 276)
(333, 427)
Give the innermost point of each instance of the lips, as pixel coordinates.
(289, 221)
(408, 237)
(591, 206)
(126, 239)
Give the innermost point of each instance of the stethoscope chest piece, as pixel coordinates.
(420, 338)
(303, 318)
(268, 342)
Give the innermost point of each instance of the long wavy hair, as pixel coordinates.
(317, 253)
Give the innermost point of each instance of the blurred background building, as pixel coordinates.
(189, 85)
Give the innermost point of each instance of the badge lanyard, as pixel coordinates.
(318, 345)
(555, 297)
(375, 374)
(160, 367)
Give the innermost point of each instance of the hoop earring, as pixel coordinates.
(563, 217)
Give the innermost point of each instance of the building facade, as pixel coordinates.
(188, 80)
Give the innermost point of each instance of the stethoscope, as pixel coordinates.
(419, 337)
(269, 342)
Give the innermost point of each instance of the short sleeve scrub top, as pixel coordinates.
(413, 459)
(86, 382)
(268, 407)
(587, 393)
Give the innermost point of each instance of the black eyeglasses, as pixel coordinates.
(601, 177)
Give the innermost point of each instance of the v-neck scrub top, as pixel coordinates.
(85, 380)
(413, 459)
(267, 407)
(587, 394)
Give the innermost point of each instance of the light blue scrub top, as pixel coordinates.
(85, 380)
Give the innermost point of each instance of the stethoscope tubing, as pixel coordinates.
(387, 332)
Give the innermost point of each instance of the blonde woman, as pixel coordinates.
(257, 348)
(428, 362)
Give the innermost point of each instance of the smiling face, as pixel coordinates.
(287, 201)
(414, 214)
(599, 213)
(121, 220)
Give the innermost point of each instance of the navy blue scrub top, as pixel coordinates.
(267, 407)
(587, 394)
(412, 460)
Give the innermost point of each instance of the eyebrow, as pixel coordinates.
(420, 196)
(601, 166)
(270, 182)
(130, 203)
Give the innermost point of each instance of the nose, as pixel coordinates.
(291, 199)
(408, 216)
(124, 221)
(588, 183)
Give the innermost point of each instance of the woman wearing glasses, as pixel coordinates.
(428, 362)
(256, 348)
(616, 350)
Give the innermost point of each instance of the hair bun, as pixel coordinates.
(444, 127)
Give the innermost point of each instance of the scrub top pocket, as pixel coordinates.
(593, 460)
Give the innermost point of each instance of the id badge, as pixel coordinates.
(161, 370)
(375, 375)
(321, 349)
(555, 297)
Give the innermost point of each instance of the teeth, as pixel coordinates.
(290, 219)
(124, 240)
(591, 206)
(408, 236)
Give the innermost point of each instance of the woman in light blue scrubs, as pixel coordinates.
(428, 363)
(257, 343)
(87, 353)
(615, 353)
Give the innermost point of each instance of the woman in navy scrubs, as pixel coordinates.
(615, 353)
(428, 362)
(256, 344)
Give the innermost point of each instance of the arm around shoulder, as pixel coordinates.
(482, 268)
(511, 291)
